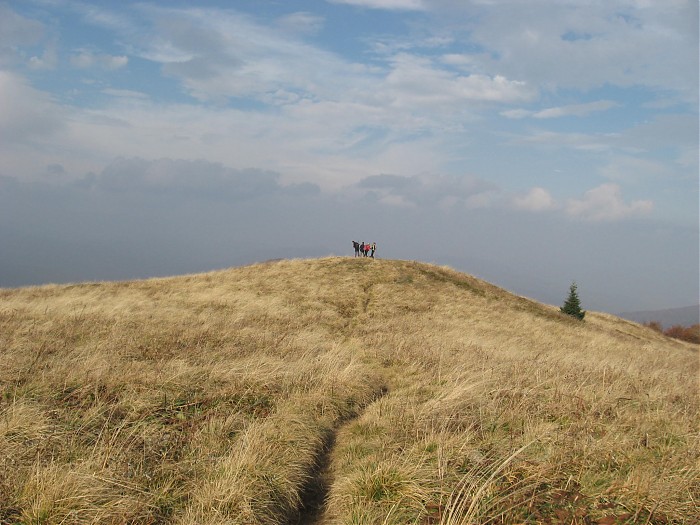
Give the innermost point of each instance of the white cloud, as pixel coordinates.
(219, 54)
(125, 93)
(84, 59)
(26, 114)
(226, 54)
(578, 141)
(188, 178)
(33, 128)
(334, 120)
(634, 169)
(605, 203)
(516, 113)
(673, 132)
(445, 192)
(114, 62)
(401, 5)
(483, 200)
(537, 199)
(461, 61)
(416, 81)
(325, 103)
(397, 201)
(584, 45)
(572, 110)
(301, 22)
(47, 60)
(576, 110)
(15, 31)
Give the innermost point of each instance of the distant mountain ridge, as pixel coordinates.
(685, 316)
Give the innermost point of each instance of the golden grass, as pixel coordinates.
(211, 399)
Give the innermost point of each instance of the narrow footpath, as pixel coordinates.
(314, 496)
(313, 499)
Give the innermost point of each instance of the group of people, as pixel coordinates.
(364, 249)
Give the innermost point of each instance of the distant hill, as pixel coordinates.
(686, 316)
(334, 391)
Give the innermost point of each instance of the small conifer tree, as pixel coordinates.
(572, 306)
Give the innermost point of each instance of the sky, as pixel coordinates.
(531, 144)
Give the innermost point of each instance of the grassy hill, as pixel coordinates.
(337, 391)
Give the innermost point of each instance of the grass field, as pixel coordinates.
(338, 391)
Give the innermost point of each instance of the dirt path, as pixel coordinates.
(313, 498)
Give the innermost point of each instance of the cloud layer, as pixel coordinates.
(140, 218)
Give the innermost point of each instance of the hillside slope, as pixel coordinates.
(337, 391)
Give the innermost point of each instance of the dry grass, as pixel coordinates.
(210, 399)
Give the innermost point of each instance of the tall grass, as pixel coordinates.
(210, 399)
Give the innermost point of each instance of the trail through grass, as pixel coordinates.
(424, 396)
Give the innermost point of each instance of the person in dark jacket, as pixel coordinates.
(356, 247)
(374, 247)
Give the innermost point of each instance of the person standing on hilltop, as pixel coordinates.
(356, 247)
(374, 247)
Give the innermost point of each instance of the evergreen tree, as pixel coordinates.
(572, 306)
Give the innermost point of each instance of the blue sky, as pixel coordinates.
(529, 143)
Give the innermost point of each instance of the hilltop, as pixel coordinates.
(337, 391)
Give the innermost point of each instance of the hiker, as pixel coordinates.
(356, 246)
(366, 249)
(362, 248)
(374, 247)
